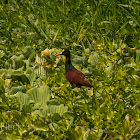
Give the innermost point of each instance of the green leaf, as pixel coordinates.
(22, 98)
(51, 109)
(16, 89)
(38, 112)
(14, 136)
(1, 53)
(39, 95)
(138, 55)
(94, 58)
(108, 71)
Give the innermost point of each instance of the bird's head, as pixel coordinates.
(64, 52)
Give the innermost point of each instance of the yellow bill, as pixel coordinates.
(60, 53)
(57, 54)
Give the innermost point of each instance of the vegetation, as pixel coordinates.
(36, 101)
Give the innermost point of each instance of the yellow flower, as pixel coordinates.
(45, 52)
(74, 43)
(33, 45)
(49, 66)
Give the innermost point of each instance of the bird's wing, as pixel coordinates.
(77, 78)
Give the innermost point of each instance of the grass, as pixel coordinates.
(103, 37)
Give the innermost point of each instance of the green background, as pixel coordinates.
(36, 101)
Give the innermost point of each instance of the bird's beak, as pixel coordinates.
(57, 54)
(60, 53)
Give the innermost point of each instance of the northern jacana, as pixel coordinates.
(74, 76)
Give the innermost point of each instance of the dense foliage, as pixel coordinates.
(36, 101)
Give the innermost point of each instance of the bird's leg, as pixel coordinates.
(72, 91)
(87, 100)
(77, 89)
(85, 94)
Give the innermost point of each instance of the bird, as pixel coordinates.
(75, 77)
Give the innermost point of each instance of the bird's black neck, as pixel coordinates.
(68, 65)
(68, 60)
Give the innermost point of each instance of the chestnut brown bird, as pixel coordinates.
(74, 76)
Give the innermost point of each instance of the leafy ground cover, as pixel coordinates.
(36, 101)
